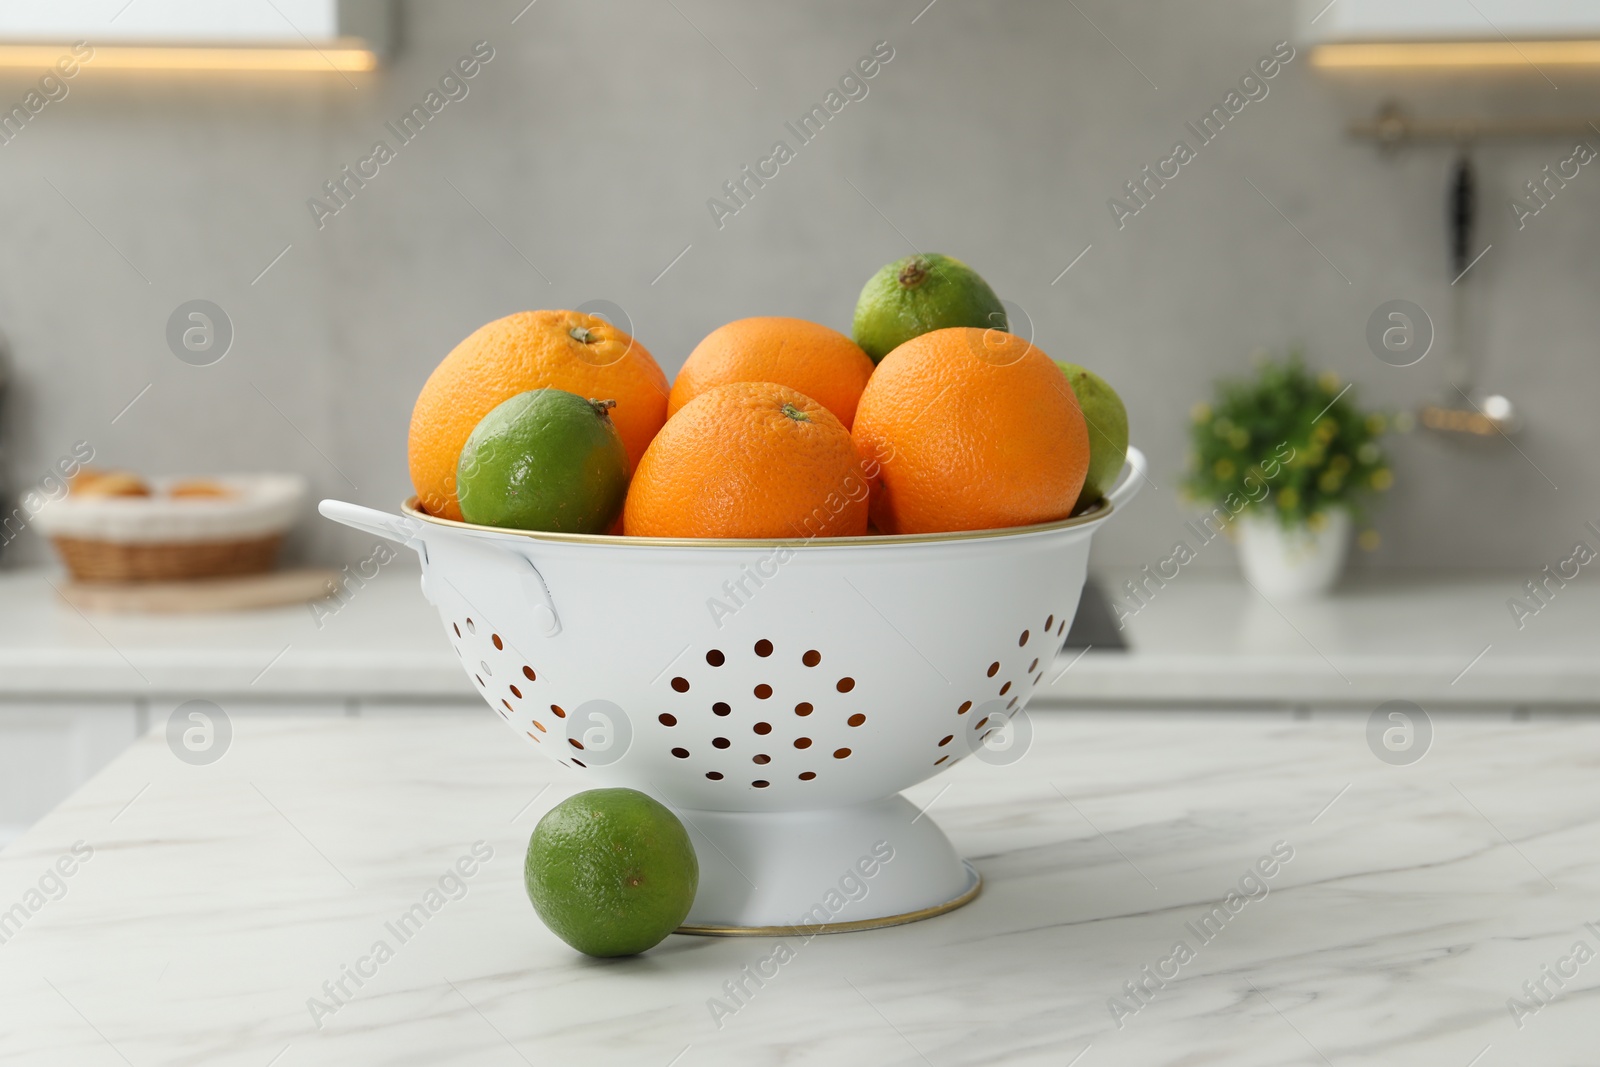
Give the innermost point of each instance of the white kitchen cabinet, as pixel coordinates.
(50, 747)
(382, 707)
(162, 708)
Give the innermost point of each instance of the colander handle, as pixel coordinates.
(399, 528)
(1133, 477)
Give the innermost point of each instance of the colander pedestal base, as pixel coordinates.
(859, 867)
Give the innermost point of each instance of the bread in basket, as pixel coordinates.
(180, 528)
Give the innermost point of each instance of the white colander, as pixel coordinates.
(777, 695)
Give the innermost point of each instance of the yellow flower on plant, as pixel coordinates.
(1317, 521)
(1288, 498)
(1369, 540)
(1329, 381)
(1376, 423)
(1382, 478)
(1326, 430)
(1223, 469)
(1200, 412)
(1330, 480)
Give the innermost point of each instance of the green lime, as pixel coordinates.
(611, 872)
(544, 460)
(1107, 420)
(920, 294)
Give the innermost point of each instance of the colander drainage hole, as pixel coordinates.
(802, 742)
(761, 759)
(515, 691)
(994, 668)
(856, 720)
(1033, 666)
(561, 713)
(1004, 689)
(964, 708)
(715, 776)
(1051, 621)
(499, 645)
(575, 743)
(760, 783)
(681, 684)
(1023, 639)
(763, 648)
(806, 776)
(716, 659)
(527, 672)
(681, 753)
(580, 763)
(941, 759)
(471, 629)
(667, 719)
(762, 727)
(484, 666)
(721, 708)
(763, 691)
(803, 709)
(845, 685)
(1062, 628)
(507, 703)
(811, 658)
(720, 742)
(456, 628)
(479, 681)
(947, 739)
(841, 753)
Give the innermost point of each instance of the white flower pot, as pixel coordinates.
(1294, 561)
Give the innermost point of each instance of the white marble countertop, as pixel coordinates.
(1446, 640)
(379, 639)
(1202, 639)
(216, 900)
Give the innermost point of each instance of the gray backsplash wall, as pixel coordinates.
(579, 165)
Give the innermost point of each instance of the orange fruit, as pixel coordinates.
(823, 364)
(749, 459)
(969, 429)
(568, 350)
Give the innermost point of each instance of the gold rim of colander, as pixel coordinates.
(1094, 514)
(966, 896)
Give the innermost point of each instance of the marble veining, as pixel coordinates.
(218, 900)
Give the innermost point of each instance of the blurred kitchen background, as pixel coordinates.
(578, 167)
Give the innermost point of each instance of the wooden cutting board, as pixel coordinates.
(204, 594)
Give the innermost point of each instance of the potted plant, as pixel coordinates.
(1286, 460)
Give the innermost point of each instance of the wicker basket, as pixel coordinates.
(112, 561)
(163, 538)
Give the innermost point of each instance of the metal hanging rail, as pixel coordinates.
(1392, 127)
